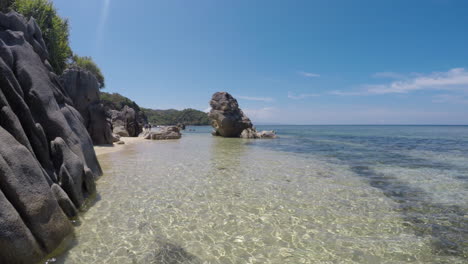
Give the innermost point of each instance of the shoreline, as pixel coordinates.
(105, 149)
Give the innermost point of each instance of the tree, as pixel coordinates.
(55, 30)
(5, 5)
(87, 63)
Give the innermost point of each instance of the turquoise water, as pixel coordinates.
(318, 194)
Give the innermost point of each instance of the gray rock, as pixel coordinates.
(64, 201)
(83, 88)
(266, 134)
(227, 118)
(23, 183)
(47, 158)
(252, 133)
(89, 181)
(115, 138)
(249, 133)
(164, 133)
(17, 243)
(71, 171)
(126, 123)
(181, 126)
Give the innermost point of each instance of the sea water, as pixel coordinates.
(317, 194)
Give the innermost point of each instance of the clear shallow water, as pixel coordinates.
(328, 194)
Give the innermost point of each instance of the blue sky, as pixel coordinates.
(289, 62)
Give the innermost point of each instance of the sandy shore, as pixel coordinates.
(103, 149)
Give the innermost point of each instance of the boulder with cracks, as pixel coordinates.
(47, 162)
(228, 120)
(83, 88)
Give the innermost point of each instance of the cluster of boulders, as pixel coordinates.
(127, 122)
(47, 162)
(228, 120)
(181, 126)
(163, 133)
(105, 125)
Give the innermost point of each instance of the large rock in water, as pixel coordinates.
(228, 120)
(83, 88)
(126, 123)
(47, 161)
(164, 133)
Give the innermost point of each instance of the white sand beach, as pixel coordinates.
(104, 149)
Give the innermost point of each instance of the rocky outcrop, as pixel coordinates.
(163, 133)
(228, 120)
(252, 133)
(83, 88)
(181, 126)
(47, 161)
(126, 123)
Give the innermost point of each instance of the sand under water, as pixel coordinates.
(316, 195)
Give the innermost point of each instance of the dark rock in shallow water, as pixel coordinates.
(38, 179)
(228, 120)
(83, 88)
(169, 132)
(64, 201)
(29, 196)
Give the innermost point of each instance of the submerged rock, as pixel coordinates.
(45, 149)
(169, 132)
(83, 88)
(228, 120)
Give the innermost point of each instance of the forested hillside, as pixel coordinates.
(157, 117)
(171, 117)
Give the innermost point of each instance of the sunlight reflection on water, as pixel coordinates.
(212, 200)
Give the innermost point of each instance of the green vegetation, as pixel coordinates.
(173, 117)
(5, 5)
(55, 30)
(117, 101)
(157, 117)
(88, 64)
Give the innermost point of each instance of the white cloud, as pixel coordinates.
(453, 79)
(389, 75)
(309, 74)
(341, 93)
(207, 110)
(250, 98)
(300, 96)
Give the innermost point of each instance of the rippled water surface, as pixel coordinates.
(319, 194)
